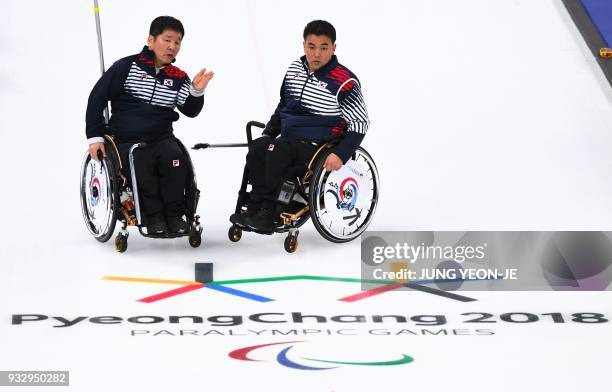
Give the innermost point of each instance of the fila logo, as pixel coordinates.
(143, 76)
(176, 163)
(322, 85)
(271, 147)
(168, 82)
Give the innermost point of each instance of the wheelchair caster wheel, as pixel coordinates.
(234, 233)
(195, 240)
(121, 243)
(291, 243)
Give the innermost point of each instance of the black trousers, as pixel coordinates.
(161, 172)
(272, 161)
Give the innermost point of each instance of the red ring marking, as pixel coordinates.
(241, 353)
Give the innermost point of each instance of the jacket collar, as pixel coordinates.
(333, 62)
(146, 56)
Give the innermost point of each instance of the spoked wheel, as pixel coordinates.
(343, 202)
(99, 197)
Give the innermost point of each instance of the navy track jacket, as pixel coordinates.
(316, 105)
(142, 100)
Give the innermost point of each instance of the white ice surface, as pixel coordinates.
(485, 116)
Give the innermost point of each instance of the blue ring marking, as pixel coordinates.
(283, 360)
(238, 293)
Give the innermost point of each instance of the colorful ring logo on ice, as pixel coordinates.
(283, 359)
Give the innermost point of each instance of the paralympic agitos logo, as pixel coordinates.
(283, 359)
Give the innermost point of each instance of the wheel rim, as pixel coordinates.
(346, 199)
(98, 200)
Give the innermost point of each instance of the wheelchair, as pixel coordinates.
(340, 203)
(108, 196)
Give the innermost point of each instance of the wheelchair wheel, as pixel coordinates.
(291, 243)
(121, 243)
(234, 233)
(343, 202)
(99, 197)
(195, 239)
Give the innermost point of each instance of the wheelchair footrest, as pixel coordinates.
(163, 235)
(249, 229)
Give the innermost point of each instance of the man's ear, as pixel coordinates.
(150, 41)
(333, 49)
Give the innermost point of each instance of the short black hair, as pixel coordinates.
(163, 23)
(320, 27)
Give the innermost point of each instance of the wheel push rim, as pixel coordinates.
(97, 197)
(347, 199)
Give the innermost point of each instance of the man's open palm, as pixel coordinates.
(201, 79)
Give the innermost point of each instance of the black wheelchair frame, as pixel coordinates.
(297, 213)
(124, 202)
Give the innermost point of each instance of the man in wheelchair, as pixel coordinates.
(143, 90)
(319, 99)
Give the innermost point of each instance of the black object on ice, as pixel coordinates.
(204, 272)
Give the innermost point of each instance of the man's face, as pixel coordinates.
(319, 49)
(165, 46)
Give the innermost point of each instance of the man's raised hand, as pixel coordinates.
(201, 79)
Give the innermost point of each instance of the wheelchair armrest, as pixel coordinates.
(255, 123)
(249, 125)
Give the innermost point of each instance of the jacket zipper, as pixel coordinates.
(307, 79)
(154, 86)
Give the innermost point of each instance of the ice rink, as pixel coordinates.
(485, 115)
